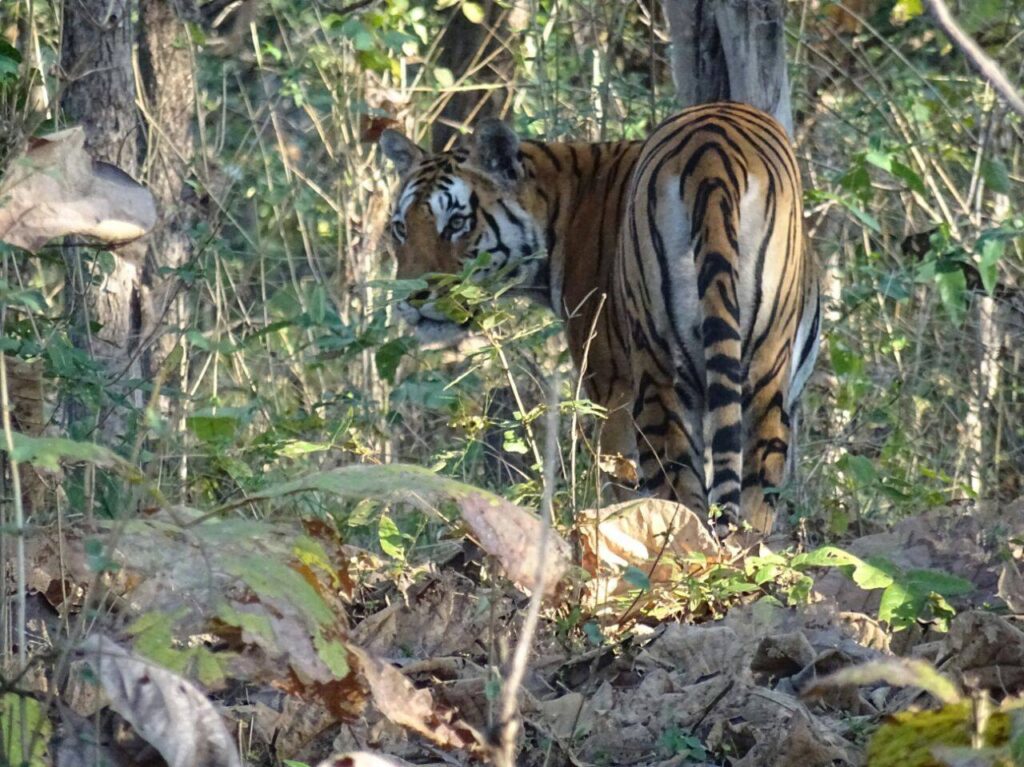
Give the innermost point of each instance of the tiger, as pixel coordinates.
(679, 268)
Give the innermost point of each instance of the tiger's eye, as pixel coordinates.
(457, 222)
(398, 229)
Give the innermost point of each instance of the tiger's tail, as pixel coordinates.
(717, 256)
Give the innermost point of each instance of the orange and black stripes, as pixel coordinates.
(683, 253)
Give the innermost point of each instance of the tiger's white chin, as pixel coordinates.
(430, 325)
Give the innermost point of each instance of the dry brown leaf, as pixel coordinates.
(651, 535)
(55, 188)
(512, 535)
(399, 700)
(1011, 587)
(987, 650)
(165, 709)
(438, 616)
(620, 467)
(566, 716)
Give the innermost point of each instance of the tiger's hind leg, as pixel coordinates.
(670, 438)
(766, 457)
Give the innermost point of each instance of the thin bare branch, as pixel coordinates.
(978, 59)
(508, 723)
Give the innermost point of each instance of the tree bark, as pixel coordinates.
(168, 80)
(99, 94)
(730, 49)
(465, 47)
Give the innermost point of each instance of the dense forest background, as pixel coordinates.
(255, 124)
(249, 340)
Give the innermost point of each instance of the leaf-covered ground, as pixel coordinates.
(308, 646)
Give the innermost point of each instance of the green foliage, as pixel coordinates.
(26, 731)
(676, 742)
(155, 638)
(294, 364)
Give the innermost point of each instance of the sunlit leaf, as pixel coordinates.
(905, 10)
(865, 574)
(37, 727)
(474, 12)
(390, 538)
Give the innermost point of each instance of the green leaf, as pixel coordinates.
(911, 178)
(36, 726)
(390, 355)
(8, 53)
(48, 452)
(593, 633)
(859, 468)
(844, 361)
(444, 78)
(905, 10)
(96, 558)
(474, 12)
(256, 624)
(316, 306)
(945, 584)
(899, 606)
(952, 285)
(374, 60)
(988, 265)
(294, 448)
(865, 218)
(866, 575)
(997, 177)
(332, 653)
(213, 429)
(513, 443)
(637, 578)
(391, 538)
(857, 180)
(373, 481)
(271, 579)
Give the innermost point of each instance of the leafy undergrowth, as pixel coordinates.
(196, 633)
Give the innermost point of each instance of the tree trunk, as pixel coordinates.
(165, 63)
(730, 49)
(99, 94)
(478, 53)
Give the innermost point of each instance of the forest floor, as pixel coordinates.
(617, 675)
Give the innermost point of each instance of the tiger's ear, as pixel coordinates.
(496, 150)
(400, 150)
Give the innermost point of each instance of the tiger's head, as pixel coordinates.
(451, 208)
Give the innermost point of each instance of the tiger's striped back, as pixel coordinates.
(678, 264)
(713, 251)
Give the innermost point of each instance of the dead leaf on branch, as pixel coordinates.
(165, 709)
(509, 533)
(512, 535)
(55, 188)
